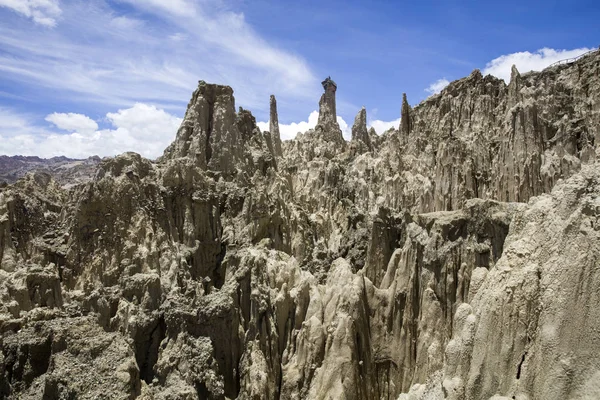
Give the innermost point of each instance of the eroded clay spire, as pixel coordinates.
(359, 129)
(327, 123)
(514, 86)
(274, 127)
(405, 121)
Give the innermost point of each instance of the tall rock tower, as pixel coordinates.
(274, 127)
(327, 102)
(405, 117)
(208, 133)
(360, 135)
(327, 123)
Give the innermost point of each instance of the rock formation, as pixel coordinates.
(66, 171)
(327, 124)
(208, 134)
(453, 258)
(274, 127)
(360, 135)
(405, 117)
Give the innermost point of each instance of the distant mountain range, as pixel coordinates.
(66, 171)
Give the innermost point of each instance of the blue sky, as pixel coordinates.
(105, 76)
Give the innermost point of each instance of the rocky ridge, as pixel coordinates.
(454, 257)
(66, 171)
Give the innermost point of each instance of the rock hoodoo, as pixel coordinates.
(274, 126)
(208, 134)
(457, 258)
(359, 130)
(213, 137)
(327, 124)
(405, 117)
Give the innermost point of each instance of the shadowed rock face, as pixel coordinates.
(453, 258)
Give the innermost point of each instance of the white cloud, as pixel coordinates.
(152, 128)
(142, 128)
(526, 61)
(178, 37)
(159, 63)
(11, 121)
(437, 86)
(179, 8)
(289, 131)
(126, 23)
(382, 126)
(73, 122)
(42, 12)
(346, 130)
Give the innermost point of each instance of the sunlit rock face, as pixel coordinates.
(454, 257)
(327, 125)
(361, 141)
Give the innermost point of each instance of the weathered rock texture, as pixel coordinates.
(274, 127)
(455, 257)
(66, 171)
(327, 125)
(360, 135)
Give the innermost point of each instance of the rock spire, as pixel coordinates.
(514, 86)
(405, 122)
(327, 123)
(218, 139)
(274, 127)
(359, 129)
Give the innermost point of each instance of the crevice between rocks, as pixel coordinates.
(211, 106)
(521, 365)
(146, 353)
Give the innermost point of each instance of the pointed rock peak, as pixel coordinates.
(359, 129)
(476, 74)
(514, 73)
(514, 87)
(246, 123)
(361, 116)
(274, 126)
(273, 117)
(405, 121)
(515, 77)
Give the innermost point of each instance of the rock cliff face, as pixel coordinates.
(455, 257)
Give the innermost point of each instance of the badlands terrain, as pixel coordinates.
(454, 257)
